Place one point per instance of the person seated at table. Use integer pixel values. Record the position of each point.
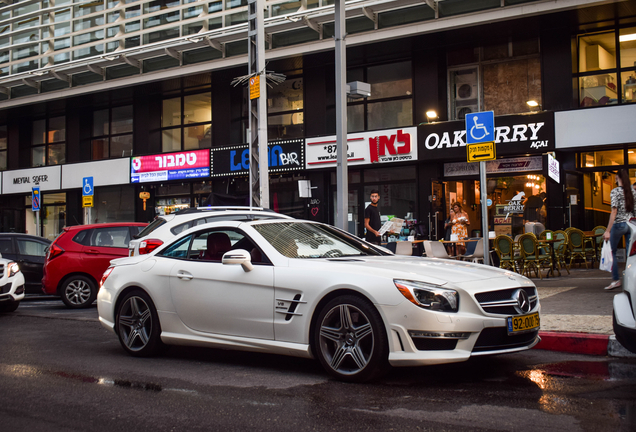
(460, 226)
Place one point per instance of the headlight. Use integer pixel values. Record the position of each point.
(13, 269)
(427, 296)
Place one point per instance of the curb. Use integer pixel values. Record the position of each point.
(576, 343)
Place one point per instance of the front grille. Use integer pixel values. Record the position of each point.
(5, 289)
(497, 338)
(1, 270)
(501, 302)
(430, 344)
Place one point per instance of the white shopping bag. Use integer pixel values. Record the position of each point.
(606, 257)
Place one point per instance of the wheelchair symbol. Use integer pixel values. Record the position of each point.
(478, 127)
(88, 190)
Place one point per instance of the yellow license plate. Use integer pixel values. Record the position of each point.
(523, 323)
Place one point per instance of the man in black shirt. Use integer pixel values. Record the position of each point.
(372, 219)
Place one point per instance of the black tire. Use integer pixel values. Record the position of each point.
(9, 306)
(137, 325)
(78, 292)
(350, 339)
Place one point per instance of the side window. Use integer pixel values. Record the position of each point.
(178, 249)
(111, 237)
(135, 230)
(33, 248)
(5, 246)
(211, 245)
(181, 228)
(82, 237)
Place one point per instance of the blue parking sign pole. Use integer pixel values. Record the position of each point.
(87, 190)
(480, 128)
(35, 206)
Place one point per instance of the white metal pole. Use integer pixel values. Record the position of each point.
(342, 185)
(485, 235)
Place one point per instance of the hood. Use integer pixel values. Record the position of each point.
(432, 270)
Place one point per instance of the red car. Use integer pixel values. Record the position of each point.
(78, 257)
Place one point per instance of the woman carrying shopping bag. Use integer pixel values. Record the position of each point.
(622, 200)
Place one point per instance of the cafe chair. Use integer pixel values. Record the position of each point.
(577, 246)
(507, 253)
(435, 249)
(560, 250)
(474, 251)
(404, 248)
(531, 257)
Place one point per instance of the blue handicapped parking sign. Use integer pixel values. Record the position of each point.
(480, 127)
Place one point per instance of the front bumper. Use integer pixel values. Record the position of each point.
(624, 322)
(12, 289)
(450, 337)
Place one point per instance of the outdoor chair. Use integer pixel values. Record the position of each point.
(531, 257)
(404, 248)
(435, 249)
(474, 251)
(577, 246)
(560, 250)
(509, 257)
(598, 240)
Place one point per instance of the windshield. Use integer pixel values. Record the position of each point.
(151, 227)
(309, 240)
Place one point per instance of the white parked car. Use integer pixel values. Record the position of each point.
(11, 285)
(624, 319)
(164, 228)
(307, 289)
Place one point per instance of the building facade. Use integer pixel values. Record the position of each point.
(138, 95)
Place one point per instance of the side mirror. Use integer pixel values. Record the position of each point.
(238, 256)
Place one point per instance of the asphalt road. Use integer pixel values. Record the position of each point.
(61, 371)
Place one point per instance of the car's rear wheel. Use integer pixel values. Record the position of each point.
(350, 339)
(9, 306)
(78, 292)
(137, 325)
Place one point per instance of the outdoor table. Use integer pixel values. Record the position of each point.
(550, 245)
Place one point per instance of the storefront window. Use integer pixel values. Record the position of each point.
(285, 105)
(631, 156)
(391, 101)
(114, 204)
(48, 141)
(601, 158)
(3, 148)
(187, 122)
(112, 133)
(605, 76)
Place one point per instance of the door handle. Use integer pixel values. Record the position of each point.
(92, 251)
(184, 275)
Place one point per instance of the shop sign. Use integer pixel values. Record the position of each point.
(170, 166)
(510, 165)
(282, 156)
(22, 181)
(388, 146)
(104, 173)
(553, 169)
(515, 134)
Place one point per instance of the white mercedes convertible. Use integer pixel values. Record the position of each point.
(308, 289)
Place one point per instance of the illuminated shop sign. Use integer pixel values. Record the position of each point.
(170, 166)
(282, 156)
(499, 166)
(514, 135)
(394, 145)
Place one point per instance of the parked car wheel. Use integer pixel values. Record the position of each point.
(78, 292)
(9, 306)
(350, 339)
(137, 325)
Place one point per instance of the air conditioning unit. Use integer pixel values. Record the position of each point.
(466, 84)
(461, 111)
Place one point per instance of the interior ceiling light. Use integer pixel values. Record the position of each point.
(627, 37)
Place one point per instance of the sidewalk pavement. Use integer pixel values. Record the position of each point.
(576, 313)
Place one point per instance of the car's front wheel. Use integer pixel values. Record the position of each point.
(78, 292)
(350, 339)
(137, 325)
(9, 306)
